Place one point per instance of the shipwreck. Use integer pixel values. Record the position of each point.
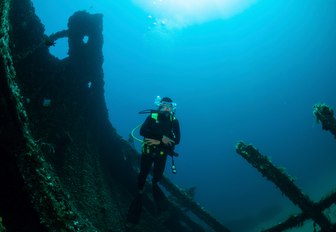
(64, 167)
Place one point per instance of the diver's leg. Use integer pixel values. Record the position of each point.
(159, 166)
(134, 211)
(145, 167)
(158, 195)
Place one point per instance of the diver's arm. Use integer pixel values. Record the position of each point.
(177, 132)
(174, 139)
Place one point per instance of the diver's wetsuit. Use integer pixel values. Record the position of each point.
(156, 128)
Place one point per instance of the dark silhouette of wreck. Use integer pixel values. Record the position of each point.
(63, 167)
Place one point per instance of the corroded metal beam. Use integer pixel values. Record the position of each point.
(197, 209)
(296, 220)
(285, 184)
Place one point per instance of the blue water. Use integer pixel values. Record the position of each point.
(254, 77)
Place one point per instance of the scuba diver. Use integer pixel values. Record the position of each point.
(161, 132)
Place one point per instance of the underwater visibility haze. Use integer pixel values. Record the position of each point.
(239, 71)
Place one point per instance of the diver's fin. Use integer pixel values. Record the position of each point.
(160, 199)
(134, 211)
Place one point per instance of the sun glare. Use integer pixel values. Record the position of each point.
(182, 13)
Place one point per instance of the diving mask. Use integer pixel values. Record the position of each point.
(161, 103)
